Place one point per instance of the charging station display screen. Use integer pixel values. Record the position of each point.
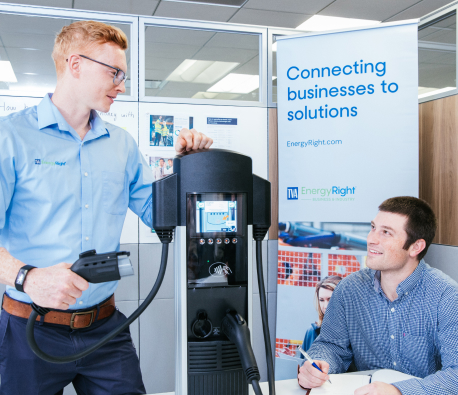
(216, 216)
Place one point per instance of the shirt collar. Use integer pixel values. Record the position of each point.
(49, 115)
(405, 286)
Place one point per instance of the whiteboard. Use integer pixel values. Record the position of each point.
(241, 129)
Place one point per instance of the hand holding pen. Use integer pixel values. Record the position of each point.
(312, 362)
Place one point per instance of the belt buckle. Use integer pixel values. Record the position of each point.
(72, 319)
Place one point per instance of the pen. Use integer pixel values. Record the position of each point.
(310, 360)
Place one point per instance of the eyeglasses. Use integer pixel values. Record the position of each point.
(119, 77)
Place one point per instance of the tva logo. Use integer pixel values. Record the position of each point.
(293, 193)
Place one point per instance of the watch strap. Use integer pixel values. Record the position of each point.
(21, 276)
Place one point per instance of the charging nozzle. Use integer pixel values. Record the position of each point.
(125, 266)
(236, 329)
(99, 268)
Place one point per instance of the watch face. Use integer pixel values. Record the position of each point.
(20, 277)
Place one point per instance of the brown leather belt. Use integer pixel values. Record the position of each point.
(76, 320)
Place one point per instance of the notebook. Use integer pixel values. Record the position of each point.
(346, 384)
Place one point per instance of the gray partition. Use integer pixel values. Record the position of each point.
(150, 260)
(157, 339)
(445, 258)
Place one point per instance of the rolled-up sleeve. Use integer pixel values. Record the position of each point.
(445, 381)
(7, 170)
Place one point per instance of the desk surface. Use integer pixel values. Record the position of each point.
(286, 387)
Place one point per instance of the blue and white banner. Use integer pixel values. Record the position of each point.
(348, 140)
(347, 121)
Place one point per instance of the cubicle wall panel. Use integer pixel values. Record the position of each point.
(272, 265)
(150, 261)
(445, 258)
(157, 339)
(273, 170)
(438, 164)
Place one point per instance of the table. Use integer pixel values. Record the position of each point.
(286, 387)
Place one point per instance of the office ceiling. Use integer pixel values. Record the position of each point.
(27, 42)
(278, 13)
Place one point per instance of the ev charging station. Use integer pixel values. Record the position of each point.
(216, 207)
(220, 201)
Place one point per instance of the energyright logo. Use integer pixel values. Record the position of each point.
(327, 192)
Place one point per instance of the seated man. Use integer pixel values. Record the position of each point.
(398, 313)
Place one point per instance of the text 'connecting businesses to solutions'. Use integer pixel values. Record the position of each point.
(314, 91)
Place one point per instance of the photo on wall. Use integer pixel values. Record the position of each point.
(313, 257)
(161, 131)
(160, 165)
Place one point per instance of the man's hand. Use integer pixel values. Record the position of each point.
(189, 140)
(310, 377)
(378, 388)
(55, 287)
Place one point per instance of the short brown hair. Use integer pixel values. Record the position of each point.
(421, 220)
(82, 35)
(329, 282)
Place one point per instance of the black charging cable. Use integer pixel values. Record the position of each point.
(166, 237)
(259, 233)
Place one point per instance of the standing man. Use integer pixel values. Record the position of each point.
(398, 313)
(169, 169)
(165, 133)
(67, 179)
(158, 130)
(159, 171)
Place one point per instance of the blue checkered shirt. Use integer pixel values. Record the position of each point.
(415, 334)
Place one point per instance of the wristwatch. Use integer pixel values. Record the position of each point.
(22, 274)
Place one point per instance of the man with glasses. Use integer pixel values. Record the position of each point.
(67, 179)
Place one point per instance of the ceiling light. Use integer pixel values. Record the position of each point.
(201, 71)
(205, 95)
(435, 91)
(6, 72)
(318, 23)
(236, 83)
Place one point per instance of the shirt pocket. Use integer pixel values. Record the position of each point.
(114, 193)
(417, 353)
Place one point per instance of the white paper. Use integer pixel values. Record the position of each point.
(390, 376)
(342, 384)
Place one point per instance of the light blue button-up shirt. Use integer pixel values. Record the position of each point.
(60, 195)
